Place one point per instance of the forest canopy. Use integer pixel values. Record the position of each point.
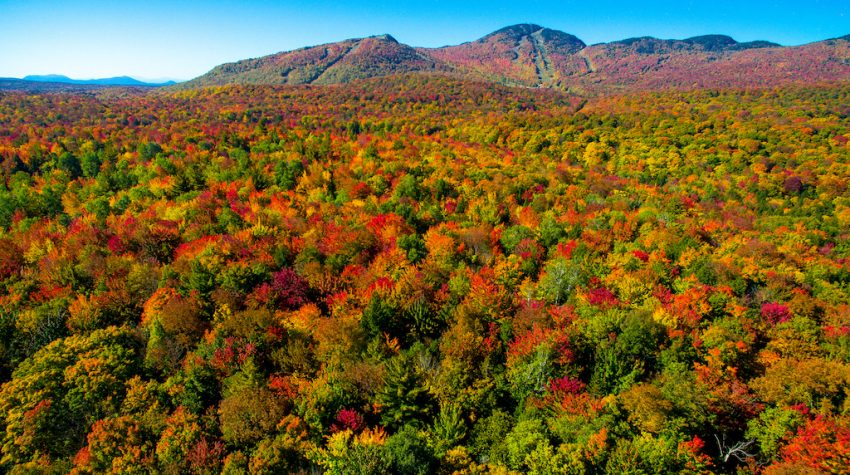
(425, 275)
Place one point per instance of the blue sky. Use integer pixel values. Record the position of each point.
(183, 39)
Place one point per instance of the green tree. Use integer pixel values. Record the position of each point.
(404, 397)
(408, 452)
(56, 395)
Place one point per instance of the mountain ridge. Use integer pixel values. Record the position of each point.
(111, 81)
(531, 55)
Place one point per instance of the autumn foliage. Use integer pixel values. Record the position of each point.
(425, 275)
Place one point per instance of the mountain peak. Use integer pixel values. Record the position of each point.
(705, 43)
(47, 78)
(385, 37)
(712, 42)
(516, 34)
(516, 31)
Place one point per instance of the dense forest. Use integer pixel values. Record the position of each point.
(419, 275)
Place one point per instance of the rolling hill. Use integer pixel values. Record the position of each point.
(533, 56)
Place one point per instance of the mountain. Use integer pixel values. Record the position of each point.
(523, 54)
(705, 43)
(115, 81)
(325, 64)
(711, 61)
(35, 87)
(533, 56)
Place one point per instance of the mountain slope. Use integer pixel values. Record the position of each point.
(524, 54)
(649, 63)
(324, 64)
(532, 56)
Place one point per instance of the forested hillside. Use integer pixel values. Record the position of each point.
(419, 274)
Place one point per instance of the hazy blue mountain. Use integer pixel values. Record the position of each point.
(115, 81)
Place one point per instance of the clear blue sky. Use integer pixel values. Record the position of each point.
(182, 39)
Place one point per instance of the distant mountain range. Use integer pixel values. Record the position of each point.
(57, 83)
(523, 55)
(533, 56)
(116, 81)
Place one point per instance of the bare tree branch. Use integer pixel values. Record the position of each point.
(737, 450)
